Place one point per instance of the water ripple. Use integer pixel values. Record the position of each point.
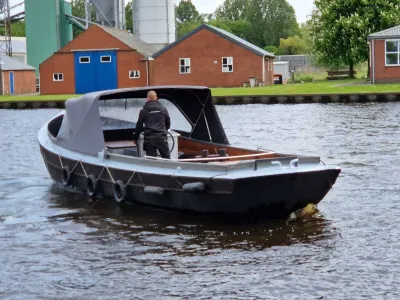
(59, 246)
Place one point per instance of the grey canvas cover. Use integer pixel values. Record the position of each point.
(81, 129)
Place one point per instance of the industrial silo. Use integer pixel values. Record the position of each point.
(154, 21)
(47, 28)
(110, 13)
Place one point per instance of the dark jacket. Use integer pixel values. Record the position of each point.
(156, 121)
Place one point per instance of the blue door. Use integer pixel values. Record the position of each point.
(85, 73)
(11, 82)
(95, 71)
(106, 70)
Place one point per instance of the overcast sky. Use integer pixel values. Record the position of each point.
(303, 7)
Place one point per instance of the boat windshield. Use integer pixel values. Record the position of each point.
(124, 113)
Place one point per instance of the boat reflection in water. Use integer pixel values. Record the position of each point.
(189, 234)
(88, 148)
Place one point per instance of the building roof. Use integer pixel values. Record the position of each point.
(393, 32)
(10, 64)
(224, 34)
(130, 40)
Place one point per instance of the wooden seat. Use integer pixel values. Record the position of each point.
(120, 144)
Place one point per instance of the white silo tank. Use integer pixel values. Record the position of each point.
(154, 21)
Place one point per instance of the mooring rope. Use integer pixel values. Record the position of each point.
(61, 163)
(101, 173)
(77, 163)
(83, 168)
(173, 177)
(109, 173)
(130, 179)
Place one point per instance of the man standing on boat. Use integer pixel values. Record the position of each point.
(155, 118)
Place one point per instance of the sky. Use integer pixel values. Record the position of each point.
(303, 7)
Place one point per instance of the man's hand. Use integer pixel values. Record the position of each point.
(134, 143)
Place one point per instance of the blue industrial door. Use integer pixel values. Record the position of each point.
(95, 71)
(11, 82)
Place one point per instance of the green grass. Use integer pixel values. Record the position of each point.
(355, 86)
(35, 98)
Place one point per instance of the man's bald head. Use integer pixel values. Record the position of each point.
(151, 96)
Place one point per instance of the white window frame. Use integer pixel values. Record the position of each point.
(229, 62)
(186, 64)
(56, 76)
(85, 62)
(105, 62)
(136, 74)
(397, 52)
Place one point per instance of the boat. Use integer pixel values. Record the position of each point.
(88, 148)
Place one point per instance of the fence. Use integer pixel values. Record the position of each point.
(301, 63)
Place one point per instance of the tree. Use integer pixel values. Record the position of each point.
(339, 28)
(306, 37)
(186, 27)
(17, 29)
(78, 10)
(271, 20)
(129, 17)
(186, 12)
(232, 10)
(187, 18)
(272, 50)
(293, 45)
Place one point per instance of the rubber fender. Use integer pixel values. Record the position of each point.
(119, 191)
(91, 186)
(66, 176)
(155, 190)
(194, 187)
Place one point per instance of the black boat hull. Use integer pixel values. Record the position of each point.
(269, 196)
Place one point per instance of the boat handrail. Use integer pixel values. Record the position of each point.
(226, 157)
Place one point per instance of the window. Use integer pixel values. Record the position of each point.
(58, 77)
(184, 65)
(392, 53)
(134, 74)
(105, 59)
(121, 113)
(84, 60)
(227, 64)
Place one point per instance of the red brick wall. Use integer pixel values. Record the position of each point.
(382, 73)
(203, 48)
(94, 38)
(128, 61)
(58, 63)
(24, 82)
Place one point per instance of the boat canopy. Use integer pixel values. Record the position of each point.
(81, 129)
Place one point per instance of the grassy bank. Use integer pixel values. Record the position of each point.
(35, 98)
(319, 87)
(357, 86)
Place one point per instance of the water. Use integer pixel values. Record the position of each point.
(56, 246)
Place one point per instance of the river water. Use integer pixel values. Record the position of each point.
(59, 246)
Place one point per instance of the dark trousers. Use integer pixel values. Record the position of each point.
(151, 147)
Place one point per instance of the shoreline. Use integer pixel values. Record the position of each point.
(240, 100)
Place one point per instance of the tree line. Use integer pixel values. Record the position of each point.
(336, 32)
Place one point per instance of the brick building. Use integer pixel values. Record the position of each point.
(385, 55)
(100, 58)
(212, 57)
(16, 77)
(105, 58)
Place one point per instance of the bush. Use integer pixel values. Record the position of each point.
(302, 78)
